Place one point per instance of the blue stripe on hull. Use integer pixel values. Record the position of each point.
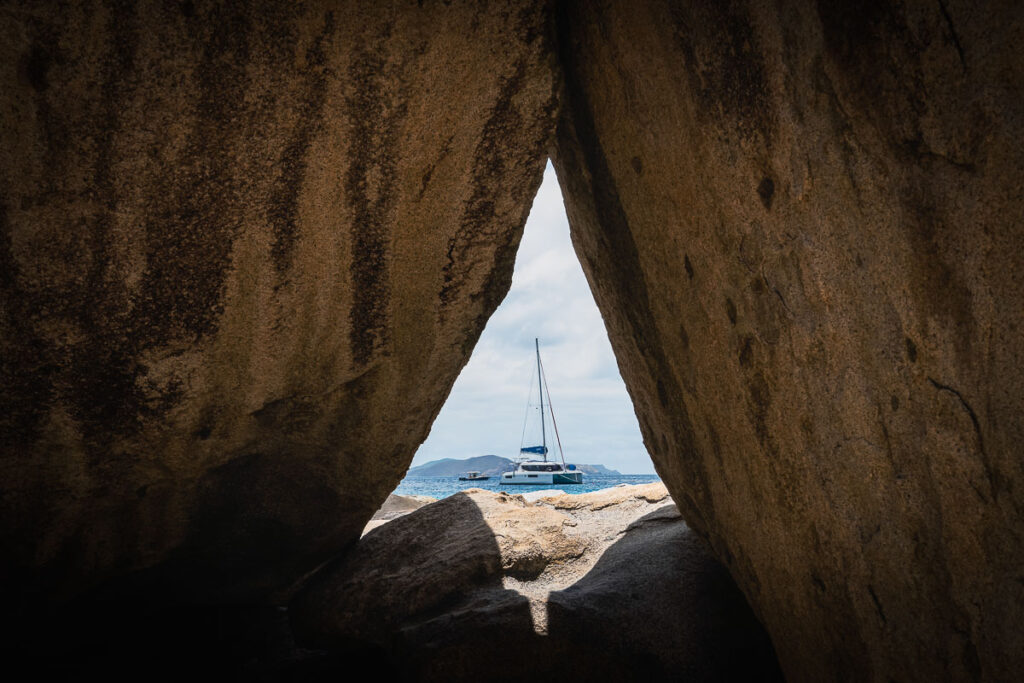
(544, 479)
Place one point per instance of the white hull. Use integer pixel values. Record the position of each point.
(530, 478)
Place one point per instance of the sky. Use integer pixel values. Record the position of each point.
(549, 299)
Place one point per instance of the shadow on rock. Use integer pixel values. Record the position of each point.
(485, 586)
(426, 589)
(659, 605)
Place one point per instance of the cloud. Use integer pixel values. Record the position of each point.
(549, 299)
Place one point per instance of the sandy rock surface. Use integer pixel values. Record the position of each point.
(802, 224)
(609, 585)
(245, 249)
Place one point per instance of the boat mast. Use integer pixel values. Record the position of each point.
(540, 390)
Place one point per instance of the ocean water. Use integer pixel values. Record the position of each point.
(442, 487)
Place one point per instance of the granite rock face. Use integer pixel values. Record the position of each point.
(245, 249)
(609, 585)
(802, 224)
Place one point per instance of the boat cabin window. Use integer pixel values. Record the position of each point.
(542, 468)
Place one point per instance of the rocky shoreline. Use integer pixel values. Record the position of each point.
(607, 584)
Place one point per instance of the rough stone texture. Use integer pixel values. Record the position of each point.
(802, 223)
(245, 249)
(394, 507)
(609, 585)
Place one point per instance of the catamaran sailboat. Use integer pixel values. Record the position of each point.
(543, 471)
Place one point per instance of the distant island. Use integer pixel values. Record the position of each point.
(490, 465)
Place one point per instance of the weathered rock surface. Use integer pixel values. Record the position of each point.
(394, 507)
(245, 249)
(802, 224)
(609, 585)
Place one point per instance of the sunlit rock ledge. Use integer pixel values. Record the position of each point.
(400, 505)
(606, 584)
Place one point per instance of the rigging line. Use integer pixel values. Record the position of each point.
(526, 417)
(543, 436)
(558, 439)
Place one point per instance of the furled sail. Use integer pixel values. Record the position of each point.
(539, 450)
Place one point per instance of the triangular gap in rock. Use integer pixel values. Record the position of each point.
(549, 299)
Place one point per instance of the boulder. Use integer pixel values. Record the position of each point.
(802, 224)
(245, 249)
(394, 507)
(610, 585)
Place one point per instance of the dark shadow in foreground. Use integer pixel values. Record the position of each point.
(423, 598)
(425, 593)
